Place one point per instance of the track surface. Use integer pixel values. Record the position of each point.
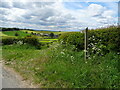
(12, 79)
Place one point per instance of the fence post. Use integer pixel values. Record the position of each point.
(86, 42)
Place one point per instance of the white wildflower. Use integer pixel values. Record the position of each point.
(62, 53)
(72, 57)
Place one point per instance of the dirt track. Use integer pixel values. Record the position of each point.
(11, 79)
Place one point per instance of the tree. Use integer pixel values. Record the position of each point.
(16, 34)
(51, 35)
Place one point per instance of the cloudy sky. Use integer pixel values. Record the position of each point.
(67, 15)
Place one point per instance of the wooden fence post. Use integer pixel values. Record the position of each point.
(86, 43)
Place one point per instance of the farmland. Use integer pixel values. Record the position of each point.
(24, 33)
(58, 62)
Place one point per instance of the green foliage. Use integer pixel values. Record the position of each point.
(27, 40)
(109, 37)
(73, 38)
(32, 41)
(10, 29)
(106, 39)
(51, 35)
(8, 41)
(16, 34)
(67, 69)
(58, 67)
(61, 66)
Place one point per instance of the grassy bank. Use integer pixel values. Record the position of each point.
(62, 67)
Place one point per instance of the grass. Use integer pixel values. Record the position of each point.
(48, 40)
(1, 34)
(45, 41)
(12, 33)
(58, 67)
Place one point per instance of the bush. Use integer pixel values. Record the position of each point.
(32, 41)
(73, 38)
(16, 34)
(107, 37)
(27, 40)
(8, 41)
(51, 35)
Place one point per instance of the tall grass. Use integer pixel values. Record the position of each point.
(62, 67)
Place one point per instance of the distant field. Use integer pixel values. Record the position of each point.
(22, 33)
(48, 32)
(1, 34)
(12, 33)
(5, 36)
(48, 40)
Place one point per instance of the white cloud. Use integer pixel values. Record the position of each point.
(95, 9)
(53, 15)
(108, 14)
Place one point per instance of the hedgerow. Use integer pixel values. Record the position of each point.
(73, 38)
(105, 39)
(27, 40)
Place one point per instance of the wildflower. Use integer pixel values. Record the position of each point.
(63, 49)
(61, 42)
(93, 56)
(93, 48)
(91, 43)
(62, 53)
(99, 49)
(97, 52)
(72, 57)
(89, 38)
(93, 39)
(20, 42)
(85, 51)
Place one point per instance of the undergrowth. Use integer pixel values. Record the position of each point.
(60, 67)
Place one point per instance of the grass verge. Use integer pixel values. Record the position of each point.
(58, 67)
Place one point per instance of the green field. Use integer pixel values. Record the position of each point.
(48, 32)
(22, 34)
(2, 35)
(12, 33)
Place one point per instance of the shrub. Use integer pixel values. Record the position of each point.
(51, 35)
(32, 41)
(27, 40)
(107, 37)
(8, 41)
(73, 38)
(16, 34)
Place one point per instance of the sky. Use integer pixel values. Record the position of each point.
(58, 15)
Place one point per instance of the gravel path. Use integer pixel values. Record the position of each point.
(11, 79)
